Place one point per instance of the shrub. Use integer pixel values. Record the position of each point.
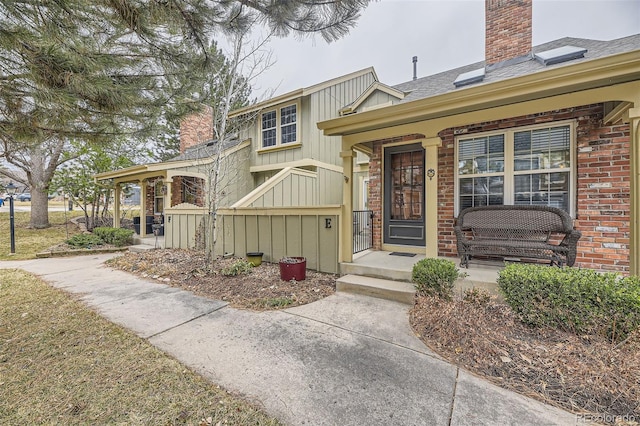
(435, 277)
(240, 267)
(117, 236)
(581, 301)
(85, 240)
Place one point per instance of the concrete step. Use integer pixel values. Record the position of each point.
(384, 289)
(139, 248)
(376, 271)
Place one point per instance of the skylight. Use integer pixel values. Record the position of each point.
(561, 54)
(469, 77)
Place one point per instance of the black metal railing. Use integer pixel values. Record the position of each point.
(362, 230)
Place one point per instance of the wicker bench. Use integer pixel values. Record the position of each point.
(518, 232)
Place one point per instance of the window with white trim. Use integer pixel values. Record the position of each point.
(280, 126)
(530, 166)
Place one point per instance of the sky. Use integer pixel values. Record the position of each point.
(443, 34)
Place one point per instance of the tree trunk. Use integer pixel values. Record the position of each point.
(39, 209)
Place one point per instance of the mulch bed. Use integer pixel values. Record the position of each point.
(577, 373)
(261, 289)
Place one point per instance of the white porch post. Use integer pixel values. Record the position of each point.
(116, 205)
(634, 225)
(431, 146)
(345, 253)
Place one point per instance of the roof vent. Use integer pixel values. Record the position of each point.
(469, 77)
(561, 54)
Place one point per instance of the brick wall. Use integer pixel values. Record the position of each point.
(177, 188)
(149, 200)
(196, 128)
(603, 177)
(603, 196)
(176, 191)
(507, 30)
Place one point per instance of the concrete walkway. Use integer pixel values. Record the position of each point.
(345, 360)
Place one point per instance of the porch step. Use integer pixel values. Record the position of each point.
(399, 273)
(139, 248)
(384, 289)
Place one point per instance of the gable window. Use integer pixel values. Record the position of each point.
(280, 126)
(527, 166)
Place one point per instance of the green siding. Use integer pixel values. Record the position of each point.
(280, 235)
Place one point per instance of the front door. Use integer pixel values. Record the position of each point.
(404, 195)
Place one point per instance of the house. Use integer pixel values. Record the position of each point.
(556, 124)
(280, 170)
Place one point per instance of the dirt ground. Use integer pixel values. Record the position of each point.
(584, 374)
(261, 289)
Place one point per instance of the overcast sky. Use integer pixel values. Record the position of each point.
(444, 34)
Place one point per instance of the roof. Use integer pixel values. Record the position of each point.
(204, 150)
(287, 97)
(440, 83)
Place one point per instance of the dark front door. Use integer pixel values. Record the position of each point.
(404, 195)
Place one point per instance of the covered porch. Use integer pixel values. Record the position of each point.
(611, 230)
(163, 187)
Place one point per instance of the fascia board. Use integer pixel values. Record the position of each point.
(370, 90)
(120, 173)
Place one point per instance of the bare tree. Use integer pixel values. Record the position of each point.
(246, 59)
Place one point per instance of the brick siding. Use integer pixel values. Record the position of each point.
(603, 185)
(508, 29)
(196, 128)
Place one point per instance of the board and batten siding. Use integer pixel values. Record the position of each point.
(376, 99)
(282, 232)
(293, 190)
(318, 106)
(182, 228)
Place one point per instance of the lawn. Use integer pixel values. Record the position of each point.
(31, 241)
(61, 363)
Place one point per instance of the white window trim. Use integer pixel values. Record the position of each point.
(279, 145)
(508, 159)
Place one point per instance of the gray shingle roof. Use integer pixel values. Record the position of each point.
(440, 83)
(205, 150)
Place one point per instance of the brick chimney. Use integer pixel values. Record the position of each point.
(196, 128)
(508, 30)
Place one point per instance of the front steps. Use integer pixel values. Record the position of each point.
(398, 291)
(378, 271)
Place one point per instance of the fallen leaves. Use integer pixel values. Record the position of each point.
(580, 373)
(261, 289)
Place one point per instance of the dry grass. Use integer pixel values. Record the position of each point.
(60, 363)
(577, 373)
(31, 241)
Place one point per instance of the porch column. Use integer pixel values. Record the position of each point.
(431, 146)
(116, 205)
(634, 225)
(169, 182)
(143, 208)
(345, 253)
